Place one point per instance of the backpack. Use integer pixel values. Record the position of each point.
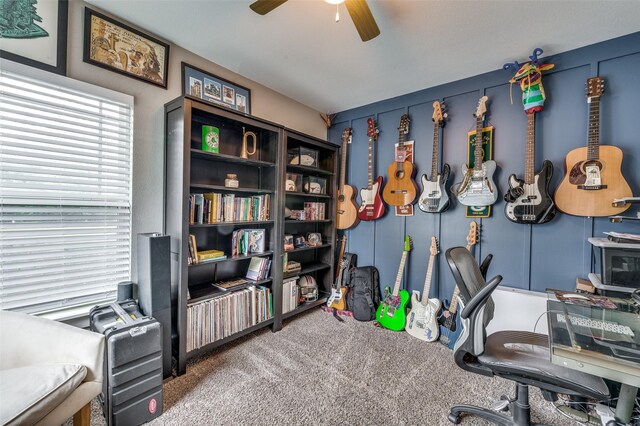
(364, 292)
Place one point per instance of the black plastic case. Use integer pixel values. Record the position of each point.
(132, 389)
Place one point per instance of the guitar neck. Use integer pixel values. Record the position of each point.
(427, 280)
(530, 156)
(396, 286)
(401, 151)
(478, 153)
(436, 151)
(343, 164)
(370, 178)
(593, 145)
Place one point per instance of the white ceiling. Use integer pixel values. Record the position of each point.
(299, 50)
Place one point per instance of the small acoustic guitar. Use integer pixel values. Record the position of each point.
(593, 178)
(347, 209)
(401, 188)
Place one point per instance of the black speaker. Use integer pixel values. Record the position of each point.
(154, 287)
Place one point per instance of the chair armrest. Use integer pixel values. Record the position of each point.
(28, 340)
(481, 297)
(484, 266)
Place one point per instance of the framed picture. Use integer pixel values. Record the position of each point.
(36, 35)
(122, 49)
(211, 88)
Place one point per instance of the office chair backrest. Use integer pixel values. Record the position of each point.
(469, 280)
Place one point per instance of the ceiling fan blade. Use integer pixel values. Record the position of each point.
(362, 19)
(262, 7)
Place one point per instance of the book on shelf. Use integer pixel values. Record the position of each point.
(314, 211)
(222, 316)
(258, 268)
(247, 241)
(213, 207)
(230, 285)
(195, 257)
(290, 292)
(193, 250)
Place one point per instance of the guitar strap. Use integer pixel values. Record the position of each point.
(334, 311)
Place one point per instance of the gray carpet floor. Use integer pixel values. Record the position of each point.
(318, 371)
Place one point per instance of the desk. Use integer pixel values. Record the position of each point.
(602, 338)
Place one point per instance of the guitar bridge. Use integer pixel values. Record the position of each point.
(592, 187)
(529, 217)
(399, 191)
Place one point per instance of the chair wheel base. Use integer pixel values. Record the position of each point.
(454, 418)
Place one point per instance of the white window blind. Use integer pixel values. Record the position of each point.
(65, 192)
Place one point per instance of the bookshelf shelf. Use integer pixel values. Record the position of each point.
(306, 306)
(198, 153)
(232, 259)
(242, 223)
(205, 187)
(307, 195)
(309, 248)
(308, 268)
(202, 292)
(308, 221)
(191, 173)
(308, 170)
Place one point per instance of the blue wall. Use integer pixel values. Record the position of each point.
(530, 257)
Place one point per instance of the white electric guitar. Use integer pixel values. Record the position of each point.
(422, 320)
(477, 187)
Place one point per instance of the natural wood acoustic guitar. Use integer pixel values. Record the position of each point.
(401, 188)
(593, 178)
(347, 209)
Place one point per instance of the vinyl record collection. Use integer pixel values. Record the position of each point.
(217, 318)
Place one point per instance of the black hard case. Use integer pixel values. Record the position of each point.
(132, 389)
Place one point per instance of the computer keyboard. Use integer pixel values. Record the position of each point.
(610, 326)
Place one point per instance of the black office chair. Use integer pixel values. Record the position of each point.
(520, 356)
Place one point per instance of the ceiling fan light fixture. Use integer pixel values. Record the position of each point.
(334, 1)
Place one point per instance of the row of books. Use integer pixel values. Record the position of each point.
(314, 211)
(223, 316)
(258, 268)
(195, 257)
(214, 207)
(290, 292)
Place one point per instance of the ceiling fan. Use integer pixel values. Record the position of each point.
(358, 9)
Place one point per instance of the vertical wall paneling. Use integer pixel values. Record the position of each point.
(529, 257)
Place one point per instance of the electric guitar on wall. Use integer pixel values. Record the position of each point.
(338, 298)
(422, 322)
(371, 207)
(391, 312)
(401, 189)
(528, 200)
(434, 197)
(347, 209)
(592, 177)
(477, 187)
(449, 320)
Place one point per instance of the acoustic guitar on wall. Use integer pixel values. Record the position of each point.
(401, 188)
(371, 207)
(347, 209)
(593, 178)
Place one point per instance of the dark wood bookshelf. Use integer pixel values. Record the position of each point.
(309, 248)
(191, 170)
(306, 306)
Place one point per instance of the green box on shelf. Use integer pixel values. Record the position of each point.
(211, 139)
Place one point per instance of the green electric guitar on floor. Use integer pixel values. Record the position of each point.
(392, 312)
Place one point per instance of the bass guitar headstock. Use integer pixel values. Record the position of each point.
(481, 110)
(372, 130)
(408, 243)
(439, 114)
(434, 250)
(595, 87)
(473, 237)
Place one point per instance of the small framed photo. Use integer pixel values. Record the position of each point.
(314, 185)
(288, 242)
(293, 183)
(215, 90)
(314, 239)
(299, 241)
(119, 48)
